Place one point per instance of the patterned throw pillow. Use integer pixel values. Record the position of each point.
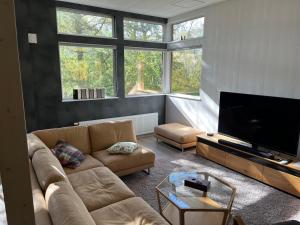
(68, 155)
(123, 148)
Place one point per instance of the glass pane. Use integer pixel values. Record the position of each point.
(83, 23)
(189, 29)
(142, 31)
(186, 71)
(86, 67)
(143, 72)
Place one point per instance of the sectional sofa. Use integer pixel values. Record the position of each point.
(91, 194)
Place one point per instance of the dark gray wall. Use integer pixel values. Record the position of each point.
(41, 76)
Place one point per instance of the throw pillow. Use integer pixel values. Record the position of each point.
(123, 148)
(67, 154)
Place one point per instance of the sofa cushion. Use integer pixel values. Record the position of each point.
(41, 213)
(139, 157)
(77, 136)
(65, 207)
(34, 144)
(104, 135)
(88, 163)
(47, 168)
(99, 187)
(177, 132)
(68, 155)
(132, 211)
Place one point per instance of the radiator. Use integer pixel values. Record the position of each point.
(143, 123)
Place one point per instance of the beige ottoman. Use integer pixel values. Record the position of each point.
(178, 135)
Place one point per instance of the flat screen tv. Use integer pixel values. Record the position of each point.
(269, 122)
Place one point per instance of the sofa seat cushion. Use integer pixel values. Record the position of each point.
(47, 168)
(119, 162)
(89, 163)
(65, 207)
(99, 187)
(104, 135)
(132, 211)
(177, 132)
(78, 136)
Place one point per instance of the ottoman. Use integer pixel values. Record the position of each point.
(177, 135)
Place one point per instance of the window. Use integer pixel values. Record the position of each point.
(83, 23)
(189, 29)
(143, 71)
(142, 31)
(186, 71)
(86, 67)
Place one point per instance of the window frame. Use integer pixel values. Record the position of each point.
(71, 44)
(163, 52)
(90, 13)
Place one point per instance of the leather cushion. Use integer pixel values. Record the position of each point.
(177, 132)
(34, 144)
(104, 135)
(99, 187)
(119, 162)
(88, 163)
(47, 168)
(78, 136)
(132, 211)
(65, 207)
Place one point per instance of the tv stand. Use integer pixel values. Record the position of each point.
(246, 148)
(280, 171)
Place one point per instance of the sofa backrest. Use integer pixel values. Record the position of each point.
(65, 206)
(104, 135)
(41, 213)
(47, 168)
(78, 136)
(34, 144)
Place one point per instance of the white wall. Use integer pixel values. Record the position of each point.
(250, 46)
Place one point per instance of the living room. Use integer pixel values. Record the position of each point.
(150, 112)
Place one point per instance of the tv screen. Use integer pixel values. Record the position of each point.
(269, 122)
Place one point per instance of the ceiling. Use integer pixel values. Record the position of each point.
(160, 8)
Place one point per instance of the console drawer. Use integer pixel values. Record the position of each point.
(211, 153)
(282, 181)
(244, 166)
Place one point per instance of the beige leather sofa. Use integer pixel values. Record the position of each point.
(91, 194)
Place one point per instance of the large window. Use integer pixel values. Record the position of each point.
(143, 71)
(142, 31)
(86, 67)
(83, 23)
(186, 71)
(188, 29)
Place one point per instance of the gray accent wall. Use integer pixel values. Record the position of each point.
(249, 47)
(41, 75)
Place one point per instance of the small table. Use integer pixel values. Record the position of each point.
(181, 205)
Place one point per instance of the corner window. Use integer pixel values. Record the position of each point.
(84, 66)
(186, 71)
(83, 23)
(188, 29)
(143, 71)
(142, 31)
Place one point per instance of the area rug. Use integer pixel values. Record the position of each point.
(257, 203)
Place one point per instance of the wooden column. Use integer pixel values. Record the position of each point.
(13, 154)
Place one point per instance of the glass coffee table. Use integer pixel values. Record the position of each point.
(182, 205)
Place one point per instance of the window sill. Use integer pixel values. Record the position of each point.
(183, 96)
(145, 95)
(85, 100)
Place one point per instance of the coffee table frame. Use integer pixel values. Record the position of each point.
(182, 212)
